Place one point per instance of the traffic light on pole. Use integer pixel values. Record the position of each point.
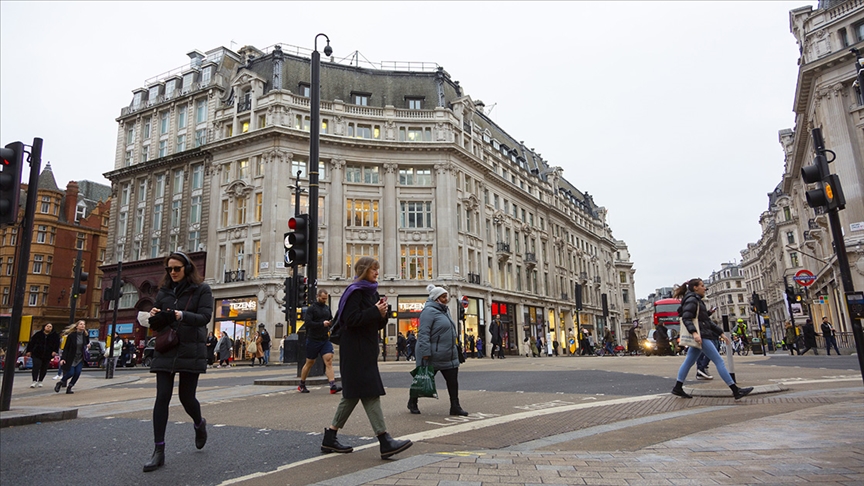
(303, 292)
(80, 286)
(10, 182)
(829, 194)
(297, 242)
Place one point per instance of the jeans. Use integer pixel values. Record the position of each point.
(74, 372)
(267, 356)
(829, 341)
(694, 353)
(702, 362)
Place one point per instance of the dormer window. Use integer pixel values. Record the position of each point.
(137, 100)
(305, 90)
(206, 75)
(414, 103)
(361, 99)
(80, 211)
(170, 86)
(153, 95)
(188, 79)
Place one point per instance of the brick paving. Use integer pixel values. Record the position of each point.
(822, 443)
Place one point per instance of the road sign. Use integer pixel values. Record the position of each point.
(804, 278)
(465, 302)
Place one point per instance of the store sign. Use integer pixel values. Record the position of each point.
(244, 306)
(411, 306)
(121, 328)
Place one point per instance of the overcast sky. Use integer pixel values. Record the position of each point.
(667, 113)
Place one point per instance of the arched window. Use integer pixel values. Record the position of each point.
(130, 296)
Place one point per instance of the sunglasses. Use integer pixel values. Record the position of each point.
(173, 269)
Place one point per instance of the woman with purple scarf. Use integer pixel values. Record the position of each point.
(362, 314)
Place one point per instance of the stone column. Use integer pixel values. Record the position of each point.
(389, 218)
(336, 224)
(445, 195)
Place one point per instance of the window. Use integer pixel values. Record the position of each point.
(301, 122)
(169, 89)
(200, 111)
(181, 118)
(194, 240)
(175, 214)
(155, 243)
(414, 103)
(415, 177)
(415, 214)
(240, 206)
(130, 135)
(197, 176)
(163, 123)
(139, 221)
(41, 232)
(859, 31)
(174, 243)
(361, 98)
(787, 213)
(794, 258)
(163, 148)
(355, 252)
(160, 186)
(37, 264)
(259, 207)
(145, 153)
(244, 127)
(178, 181)
(243, 169)
(124, 195)
(136, 250)
(5, 296)
(9, 263)
(358, 130)
(200, 137)
(262, 122)
(415, 134)
(34, 296)
(240, 256)
(127, 160)
(625, 296)
(195, 211)
(142, 190)
(790, 237)
(147, 130)
(224, 219)
(256, 252)
(46, 205)
(305, 90)
(205, 76)
(361, 212)
(157, 217)
(416, 262)
(48, 264)
(259, 166)
(130, 296)
(361, 174)
(622, 276)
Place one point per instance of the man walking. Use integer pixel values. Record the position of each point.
(809, 338)
(829, 334)
(496, 332)
(401, 342)
(317, 324)
(265, 342)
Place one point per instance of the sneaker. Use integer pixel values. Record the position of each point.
(703, 375)
(335, 389)
(56, 377)
(39, 384)
(33, 385)
(302, 389)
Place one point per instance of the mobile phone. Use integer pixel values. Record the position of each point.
(383, 298)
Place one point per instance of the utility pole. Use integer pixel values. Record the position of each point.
(116, 293)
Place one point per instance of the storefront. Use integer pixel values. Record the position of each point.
(474, 324)
(408, 313)
(238, 318)
(507, 314)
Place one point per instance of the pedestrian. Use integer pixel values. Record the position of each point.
(362, 314)
(632, 341)
(829, 334)
(609, 342)
(472, 345)
(211, 348)
(809, 338)
(410, 345)
(532, 344)
(703, 361)
(555, 346)
(116, 351)
(698, 322)
(438, 346)
(73, 357)
(224, 347)
(591, 342)
(661, 337)
(400, 346)
(184, 303)
(253, 349)
(791, 338)
(266, 343)
(317, 325)
(496, 332)
(42, 348)
(479, 345)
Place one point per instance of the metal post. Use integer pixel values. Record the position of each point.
(73, 299)
(109, 363)
(21, 276)
(314, 139)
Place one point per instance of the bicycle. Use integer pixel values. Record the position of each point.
(740, 348)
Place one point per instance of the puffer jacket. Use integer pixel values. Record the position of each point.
(190, 354)
(437, 337)
(693, 304)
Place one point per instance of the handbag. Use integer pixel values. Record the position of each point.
(166, 340)
(423, 384)
(335, 330)
(461, 354)
(684, 337)
(252, 348)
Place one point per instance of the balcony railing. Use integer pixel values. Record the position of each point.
(530, 258)
(597, 279)
(811, 224)
(565, 297)
(503, 247)
(235, 276)
(474, 278)
(583, 276)
(244, 106)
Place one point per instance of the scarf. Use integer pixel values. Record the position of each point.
(363, 285)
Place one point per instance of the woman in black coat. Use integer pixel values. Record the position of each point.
(362, 314)
(184, 303)
(809, 337)
(43, 346)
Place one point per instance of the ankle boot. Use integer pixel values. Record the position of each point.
(740, 392)
(331, 444)
(412, 406)
(456, 409)
(678, 390)
(390, 446)
(201, 434)
(158, 459)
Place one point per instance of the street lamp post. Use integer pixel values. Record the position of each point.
(312, 170)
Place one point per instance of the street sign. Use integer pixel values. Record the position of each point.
(465, 302)
(804, 278)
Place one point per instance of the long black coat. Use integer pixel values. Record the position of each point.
(70, 349)
(496, 332)
(41, 345)
(809, 335)
(358, 351)
(190, 354)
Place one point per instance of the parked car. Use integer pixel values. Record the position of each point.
(147, 358)
(24, 363)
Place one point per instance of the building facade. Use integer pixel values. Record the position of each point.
(796, 237)
(64, 222)
(412, 173)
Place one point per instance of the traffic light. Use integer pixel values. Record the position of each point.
(303, 292)
(10, 182)
(79, 287)
(829, 194)
(297, 241)
(290, 296)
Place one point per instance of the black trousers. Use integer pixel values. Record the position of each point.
(164, 389)
(40, 368)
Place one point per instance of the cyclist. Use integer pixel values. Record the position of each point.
(741, 332)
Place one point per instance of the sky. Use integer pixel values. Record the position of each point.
(667, 113)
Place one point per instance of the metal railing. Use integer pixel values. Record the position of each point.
(530, 258)
(473, 278)
(503, 247)
(235, 276)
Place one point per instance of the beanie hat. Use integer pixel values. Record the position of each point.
(435, 292)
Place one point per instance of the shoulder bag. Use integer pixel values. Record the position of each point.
(684, 337)
(335, 330)
(167, 338)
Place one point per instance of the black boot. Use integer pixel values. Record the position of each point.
(390, 446)
(412, 406)
(158, 459)
(740, 392)
(201, 434)
(678, 390)
(331, 444)
(456, 409)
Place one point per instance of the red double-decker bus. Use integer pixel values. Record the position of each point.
(666, 313)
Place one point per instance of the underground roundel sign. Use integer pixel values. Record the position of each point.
(465, 302)
(804, 278)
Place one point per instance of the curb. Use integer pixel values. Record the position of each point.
(32, 415)
(313, 380)
(725, 392)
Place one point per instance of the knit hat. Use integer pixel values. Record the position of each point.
(435, 292)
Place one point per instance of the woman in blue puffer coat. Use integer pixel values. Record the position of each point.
(438, 345)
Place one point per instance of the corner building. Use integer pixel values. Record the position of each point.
(412, 173)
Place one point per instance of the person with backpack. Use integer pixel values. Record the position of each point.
(697, 320)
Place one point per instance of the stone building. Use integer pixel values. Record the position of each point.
(794, 236)
(727, 291)
(64, 222)
(412, 172)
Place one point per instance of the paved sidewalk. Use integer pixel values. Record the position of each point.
(823, 444)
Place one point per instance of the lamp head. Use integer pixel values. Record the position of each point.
(327, 49)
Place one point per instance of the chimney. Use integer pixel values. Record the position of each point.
(71, 200)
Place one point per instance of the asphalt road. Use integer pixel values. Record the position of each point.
(256, 429)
